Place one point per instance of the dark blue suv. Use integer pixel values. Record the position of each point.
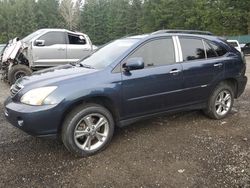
(127, 80)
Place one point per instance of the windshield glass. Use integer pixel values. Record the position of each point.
(108, 54)
(234, 44)
(1, 48)
(32, 35)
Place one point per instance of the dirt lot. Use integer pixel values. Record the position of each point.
(182, 150)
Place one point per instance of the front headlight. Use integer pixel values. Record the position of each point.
(37, 96)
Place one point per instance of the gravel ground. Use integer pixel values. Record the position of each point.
(181, 150)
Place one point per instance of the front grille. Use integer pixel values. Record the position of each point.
(15, 89)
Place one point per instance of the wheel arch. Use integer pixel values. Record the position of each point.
(101, 100)
(230, 81)
(234, 84)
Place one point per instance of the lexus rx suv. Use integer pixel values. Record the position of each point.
(127, 80)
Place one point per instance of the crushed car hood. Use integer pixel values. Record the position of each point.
(12, 49)
(56, 74)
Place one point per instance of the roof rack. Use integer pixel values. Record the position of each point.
(197, 32)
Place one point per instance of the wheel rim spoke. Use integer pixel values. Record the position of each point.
(88, 121)
(87, 143)
(227, 97)
(217, 103)
(100, 136)
(101, 122)
(219, 109)
(79, 134)
(220, 96)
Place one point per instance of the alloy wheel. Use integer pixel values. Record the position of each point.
(223, 102)
(91, 132)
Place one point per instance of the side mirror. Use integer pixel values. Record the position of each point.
(40, 42)
(134, 64)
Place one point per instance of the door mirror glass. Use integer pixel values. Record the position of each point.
(40, 42)
(134, 64)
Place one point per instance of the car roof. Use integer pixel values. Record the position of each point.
(154, 35)
(232, 41)
(62, 30)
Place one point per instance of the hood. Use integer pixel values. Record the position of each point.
(53, 75)
(12, 49)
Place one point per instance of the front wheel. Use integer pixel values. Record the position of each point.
(87, 130)
(220, 102)
(18, 71)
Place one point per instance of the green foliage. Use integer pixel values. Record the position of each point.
(105, 20)
(18, 18)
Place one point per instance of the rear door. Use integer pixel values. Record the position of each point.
(53, 52)
(156, 87)
(202, 66)
(78, 47)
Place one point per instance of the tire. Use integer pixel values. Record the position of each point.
(18, 71)
(217, 99)
(76, 131)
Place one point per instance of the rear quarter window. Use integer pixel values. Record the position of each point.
(209, 51)
(218, 49)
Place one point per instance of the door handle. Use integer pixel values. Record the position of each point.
(217, 64)
(175, 71)
(61, 49)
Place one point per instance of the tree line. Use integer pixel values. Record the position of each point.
(105, 20)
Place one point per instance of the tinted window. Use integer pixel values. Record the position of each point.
(157, 52)
(233, 44)
(219, 50)
(210, 51)
(192, 49)
(76, 39)
(52, 38)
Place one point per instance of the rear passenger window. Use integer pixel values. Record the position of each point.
(157, 52)
(192, 49)
(77, 40)
(219, 50)
(210, 51)
(53, 37)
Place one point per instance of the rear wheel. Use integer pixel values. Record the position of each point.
(221, 101)
(18, 71)
(88, 129)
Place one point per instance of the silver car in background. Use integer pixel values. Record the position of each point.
(42, 49)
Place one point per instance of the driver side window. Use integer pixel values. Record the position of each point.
(52, 38)
(157, 52)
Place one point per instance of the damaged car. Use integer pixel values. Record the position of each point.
(42, 49)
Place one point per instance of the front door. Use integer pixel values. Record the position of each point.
(53, 52)
(156, 87)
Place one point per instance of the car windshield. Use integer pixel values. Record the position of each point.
(234, 44)
(1, 48)
(32, 35)
(108, 54)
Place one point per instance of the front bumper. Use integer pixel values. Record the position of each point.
(39, 121)
(242, 81)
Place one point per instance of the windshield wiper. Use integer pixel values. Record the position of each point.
(73, 63)
(81, 65)
(86, 66)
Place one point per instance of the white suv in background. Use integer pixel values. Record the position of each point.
(235, 44)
